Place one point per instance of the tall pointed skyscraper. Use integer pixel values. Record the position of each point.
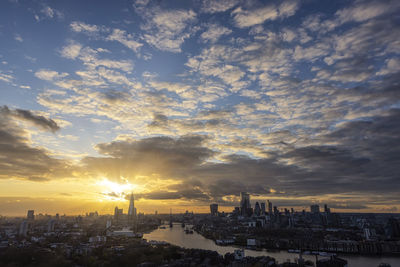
(131, 210)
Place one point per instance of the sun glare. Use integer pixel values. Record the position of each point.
(115, 191)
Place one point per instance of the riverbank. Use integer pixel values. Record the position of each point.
(295, 239)
(177, 236)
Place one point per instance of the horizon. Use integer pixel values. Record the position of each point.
(188, 103)
(204, 210)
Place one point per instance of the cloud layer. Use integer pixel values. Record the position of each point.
(193, 102)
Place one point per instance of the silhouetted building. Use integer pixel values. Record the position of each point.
(392, 228)
(269, 204)
(118, 213)
(314, 208)
(276, 211)
(236, 211)
(245, 205)
(23, 228)
(51, 225)
(214, 209)
(326, 209)
(132, 209)
(31, 215)
(257, 209)
(263, 208)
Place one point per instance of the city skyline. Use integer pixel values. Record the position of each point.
(189, 103)
(245, 205)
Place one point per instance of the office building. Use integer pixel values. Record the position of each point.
(23, 228)
(269, 204)
(314, 208)
(51, 225)
(326, 209)
(118, 213)
(257, 209)
(263, 208)
(245, 205)
(31, 215)
(214, 209)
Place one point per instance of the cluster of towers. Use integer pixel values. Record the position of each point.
(119, 214)
(246, 210)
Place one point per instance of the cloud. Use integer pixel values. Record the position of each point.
(163, 155)
(246, 18)
(18, 38)
(37, 120)
(50, 13)
(18, 159)
(392, 66)
(214, 32)
(168, 29)
(125, 39)
(117, 35)
(49, 75)
(78, 26)
(287, 111)
(71, 50)
(8, 78)
(363, 11)
(357, 157)
(288, 8)
(215, 6)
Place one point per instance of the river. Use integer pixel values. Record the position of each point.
(178, 237)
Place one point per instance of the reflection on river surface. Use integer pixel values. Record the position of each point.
(178, 237)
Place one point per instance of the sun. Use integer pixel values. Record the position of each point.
(115, 191)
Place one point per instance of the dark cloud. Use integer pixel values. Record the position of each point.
(37, 120)
(357, 157)
(115, 97)
(193, 194)
(163, 155)
(159, 120)
(18, 159)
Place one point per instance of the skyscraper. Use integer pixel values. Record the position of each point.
(314, 208)
(245, 205)
(257, 209)
(23, 228)
(263, 208)
(118, 213)
(269, 208)
(131, 210)
(326, 209)
(214, 209)
(31, 215)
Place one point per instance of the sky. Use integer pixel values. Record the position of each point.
(188, 103)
